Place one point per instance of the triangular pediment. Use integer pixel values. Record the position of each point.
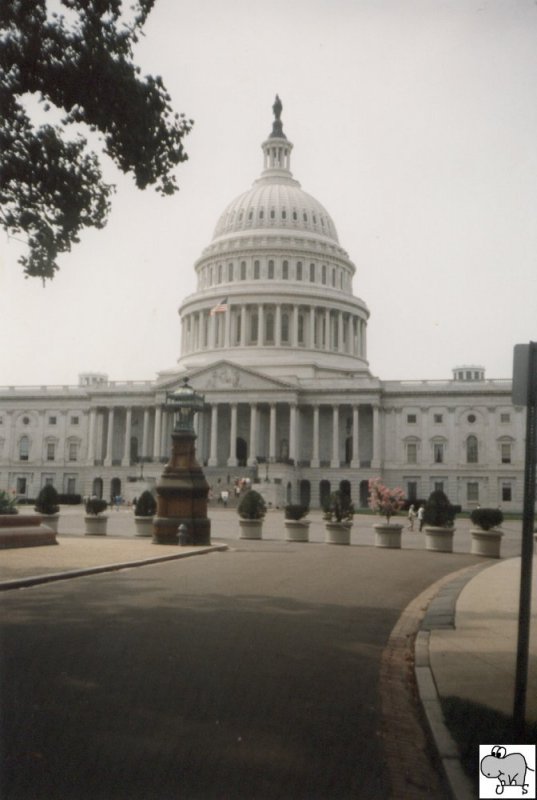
(227, 376)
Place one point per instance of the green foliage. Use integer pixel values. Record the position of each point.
(487, 518)
(8, 503)
(47, 500)
(95, 505)
(146, 505)
(51, 185)
(252, 506)
(339, 507)
(295, 512)
(438, 511)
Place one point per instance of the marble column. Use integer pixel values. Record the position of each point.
(253, 435)
(243, 325)
(109, 439)
(156, 434)
(127, 444)
(213, 451)
(91, 435)
(335, 437)
(355, 463)
(232, 458)
(261, 324)
(375, 461)
(315, 448)
(293, 429)
(312, 327)
(326, 329)
(145, 433)
(272, 432)
(278, 326)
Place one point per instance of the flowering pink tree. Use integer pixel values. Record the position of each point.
(386, 502)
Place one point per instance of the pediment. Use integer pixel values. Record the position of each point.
(226, 376)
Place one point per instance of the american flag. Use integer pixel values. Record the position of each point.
(219, 308)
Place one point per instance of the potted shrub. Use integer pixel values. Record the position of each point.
(338, 514)
(21, 530)
(487, 535)
(386, 502)
(47, 504)
(296, 527)
(251, 510)
(144, 510)
(438, 520)
(96, 521)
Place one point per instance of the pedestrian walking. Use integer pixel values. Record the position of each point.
(411, 517)
(421, 512)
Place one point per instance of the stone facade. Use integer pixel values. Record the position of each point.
(277, 342)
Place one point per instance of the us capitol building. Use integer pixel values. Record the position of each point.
(277, 342)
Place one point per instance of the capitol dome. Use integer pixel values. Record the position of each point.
(274, 288)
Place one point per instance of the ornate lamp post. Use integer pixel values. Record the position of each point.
(182, 491)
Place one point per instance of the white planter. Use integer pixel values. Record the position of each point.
(297, 530)
(388, 535)
(439, 539)
(95, 525)
(51, 521)
(251, 528)
(486, 543)
(338, 532)
(144, 526)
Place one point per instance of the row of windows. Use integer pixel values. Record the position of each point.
(327, 276)
(472, 452)
(472, 490)
(439, 418)
(51, 450)
(243, 215)
(52, 420)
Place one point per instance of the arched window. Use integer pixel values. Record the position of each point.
(270, 270)
(324, 493)
(285, 328)
(312, 273)
(299, 270)
(257, 270)
(285, 270)
(219, 278)
(323, 274)
(24, 448)
(472, 453)
(243, 270)
(230, 272)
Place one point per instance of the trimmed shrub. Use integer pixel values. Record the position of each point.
(487, 518)
(8, 503)
(69, 499)
(146, 505)
(47, 500)
(95, 505)
(295, 512)
(438, 511)
(252, 506)
(339, 507)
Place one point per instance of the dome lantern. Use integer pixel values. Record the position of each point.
(277, 148)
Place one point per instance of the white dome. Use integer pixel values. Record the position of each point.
(276, 203)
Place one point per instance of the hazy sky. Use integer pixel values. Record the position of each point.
(413, 122)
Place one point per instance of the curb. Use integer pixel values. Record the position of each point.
(441, 614)
(21, 583)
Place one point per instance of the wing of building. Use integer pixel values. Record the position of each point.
(277, 342)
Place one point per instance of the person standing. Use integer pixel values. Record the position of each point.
(411, 517)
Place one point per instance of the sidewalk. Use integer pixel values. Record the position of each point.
(466, 649)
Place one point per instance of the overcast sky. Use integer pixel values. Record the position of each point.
(413, 122)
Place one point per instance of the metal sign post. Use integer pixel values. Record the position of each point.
(525, 393)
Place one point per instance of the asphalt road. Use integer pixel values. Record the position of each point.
(241, 675)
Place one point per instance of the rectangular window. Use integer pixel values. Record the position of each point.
(412, 453)
(505, 417)
(71, 485)
(506, 453)
(472, 492)
(507, 493)
(74, 420)
(439, 486)
(52, 420)
(412, 490)
(51, 449)
(21, 486)
(73, 451)
(438, 452)
(438, 418)
(411, 419)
